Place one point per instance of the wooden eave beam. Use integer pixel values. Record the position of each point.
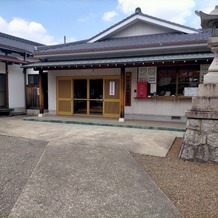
(100, 66)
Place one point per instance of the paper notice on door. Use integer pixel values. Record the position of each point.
(112, 88)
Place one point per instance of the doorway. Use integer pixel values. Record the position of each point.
(88, 96)
(2, 90)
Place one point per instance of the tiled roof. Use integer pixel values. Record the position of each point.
(146, 41)
(13, 43)
(146, 16)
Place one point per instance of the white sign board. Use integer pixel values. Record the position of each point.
(191, 91)
(112, 88)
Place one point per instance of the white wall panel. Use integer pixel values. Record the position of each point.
(16, 87)
(141, 28)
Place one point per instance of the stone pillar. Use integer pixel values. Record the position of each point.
(212, 75)
(200, 141)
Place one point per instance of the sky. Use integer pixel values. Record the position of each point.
(48, 21)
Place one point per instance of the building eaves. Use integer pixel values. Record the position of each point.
(118, 61)
(9, 59)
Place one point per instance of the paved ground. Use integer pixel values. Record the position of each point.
(83, 171)
(18, 158)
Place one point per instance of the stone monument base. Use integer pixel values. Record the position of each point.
(200, 141)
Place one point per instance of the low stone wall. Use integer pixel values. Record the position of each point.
(200, 142)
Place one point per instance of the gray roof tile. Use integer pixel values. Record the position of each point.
(150, 41)
(13, 43)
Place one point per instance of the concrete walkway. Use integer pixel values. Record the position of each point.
(83, 171)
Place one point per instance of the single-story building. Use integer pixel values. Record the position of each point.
(140, 68)
(14, 80)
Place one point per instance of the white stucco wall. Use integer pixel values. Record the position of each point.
(16, 88)
(52, 81)
(140, 28)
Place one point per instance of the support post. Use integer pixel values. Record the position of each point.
(25, 91)
(6, 87)
(122, 94)
(41, 94)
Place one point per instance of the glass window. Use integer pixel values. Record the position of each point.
(33, 79)
(2, 90)
(96, 88)
(96, 96)
(187, 77)
(166, 81)
(80, 88)
(173, 80)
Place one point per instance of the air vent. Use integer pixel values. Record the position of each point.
(175, 118)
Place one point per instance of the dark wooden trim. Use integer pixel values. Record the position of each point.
(25, 90)
(122, 87)
(125, 65)
(6, 87)
(41, 93)
(128, 81)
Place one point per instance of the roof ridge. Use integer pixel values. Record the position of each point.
(161, 19)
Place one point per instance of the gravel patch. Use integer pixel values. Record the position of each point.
(191, 186)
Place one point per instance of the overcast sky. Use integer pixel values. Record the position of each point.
(48, 21)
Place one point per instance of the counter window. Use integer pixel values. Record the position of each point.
(173, 80)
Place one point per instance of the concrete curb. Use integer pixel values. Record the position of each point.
(104, 124)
